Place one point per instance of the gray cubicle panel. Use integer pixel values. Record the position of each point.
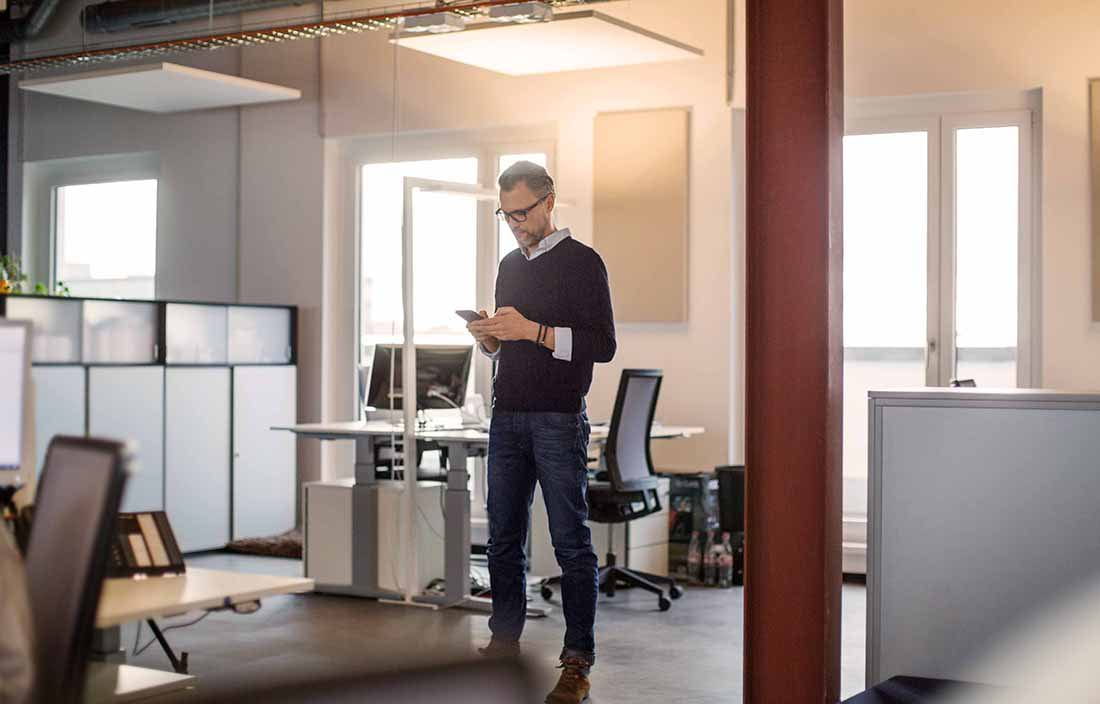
(983, 507)
(264, 460)
(197, 455)
(127, 403)
(58, 405)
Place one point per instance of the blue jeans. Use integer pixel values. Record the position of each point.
(552, 449)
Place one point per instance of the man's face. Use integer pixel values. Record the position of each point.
(529, 232)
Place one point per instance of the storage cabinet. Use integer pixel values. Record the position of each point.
(58, 406)
(120, 332)
(196, 333)
(264, 464)
(197, 456)
(195, 387)
(127, 403)
(260, 335)
(57, 326)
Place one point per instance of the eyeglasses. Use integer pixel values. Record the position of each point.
(521, 214)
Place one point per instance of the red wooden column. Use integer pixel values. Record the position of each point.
(794, 367)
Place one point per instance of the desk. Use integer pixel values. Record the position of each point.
(126, 600)
(460, 444)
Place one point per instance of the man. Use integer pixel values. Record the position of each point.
(553, 322)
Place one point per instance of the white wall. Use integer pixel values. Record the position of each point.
(907, 47)
(281, 198)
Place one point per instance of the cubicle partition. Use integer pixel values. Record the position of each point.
(194, 386)
(983, 509)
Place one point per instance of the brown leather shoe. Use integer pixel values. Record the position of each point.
(500, 649)
(573, 686)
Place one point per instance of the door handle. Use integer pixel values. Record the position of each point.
(929, 353)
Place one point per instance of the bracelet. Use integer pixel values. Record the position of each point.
(538, 337)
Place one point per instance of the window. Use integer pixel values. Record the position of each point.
(444, 245)
(106, 238)
(937, 263)
(506, 242)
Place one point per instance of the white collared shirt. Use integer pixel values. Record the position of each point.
(563, 337)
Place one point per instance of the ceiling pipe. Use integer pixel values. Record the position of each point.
(31, 25)
(125, 15)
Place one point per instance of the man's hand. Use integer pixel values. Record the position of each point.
(507, 324)
(487, 341)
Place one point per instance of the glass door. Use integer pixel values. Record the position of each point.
(986, 221)
(890, 257)
(938, 266)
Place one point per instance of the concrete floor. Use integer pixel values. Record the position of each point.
(690, 654)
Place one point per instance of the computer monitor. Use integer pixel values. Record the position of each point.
(15, 371)
(441, 375)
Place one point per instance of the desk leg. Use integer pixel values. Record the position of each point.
(457, 501)
(178, 664)
(107, 645)
(457, 547)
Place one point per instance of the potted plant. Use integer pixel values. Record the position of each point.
(12, 276)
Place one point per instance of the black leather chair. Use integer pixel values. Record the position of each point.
(626, 487)
(75, 519)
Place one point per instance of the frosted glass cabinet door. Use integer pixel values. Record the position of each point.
(58, 406)
(196, 456)
(127, 403)
(120, 332)
(56, 335)
(264, 460)
(195, 334)
(259, 335)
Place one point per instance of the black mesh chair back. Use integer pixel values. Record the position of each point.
(629, 464)
(75, 518)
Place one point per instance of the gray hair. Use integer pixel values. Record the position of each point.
(530, 173)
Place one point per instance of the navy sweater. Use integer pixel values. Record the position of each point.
(565, 287)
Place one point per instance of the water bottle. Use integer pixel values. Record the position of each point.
(710, 563)
(694, 558)
(725, 563)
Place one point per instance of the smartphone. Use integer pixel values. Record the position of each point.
(468, 315)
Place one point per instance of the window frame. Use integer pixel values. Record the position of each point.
(42, 180)
(487, 148)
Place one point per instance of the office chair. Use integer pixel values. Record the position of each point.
(74, 522)
(627, 490)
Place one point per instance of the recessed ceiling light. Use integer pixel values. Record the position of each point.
(522, 12)
(436, 23)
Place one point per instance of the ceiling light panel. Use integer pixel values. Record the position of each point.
(573, 41)
(522, 12)
(435, 23)
(162, 88)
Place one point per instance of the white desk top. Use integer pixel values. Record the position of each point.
(351, 429)
(125, 600)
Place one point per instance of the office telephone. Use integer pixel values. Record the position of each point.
(145, 546)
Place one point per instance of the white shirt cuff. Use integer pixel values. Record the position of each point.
(487, 353)
(563, 344)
